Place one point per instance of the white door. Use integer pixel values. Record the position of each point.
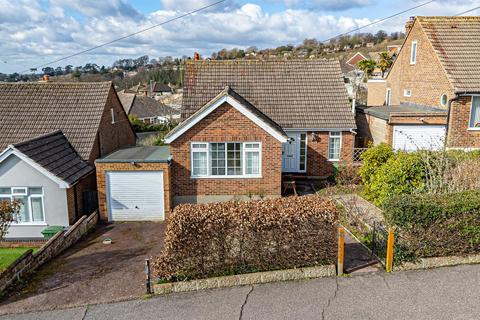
(289, 156)
(135, 195)
(415, 137)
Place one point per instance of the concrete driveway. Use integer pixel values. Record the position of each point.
(91, 272)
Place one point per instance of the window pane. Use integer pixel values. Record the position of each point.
(199, 145)
(303, 150)
(475, 116)
(199, 166)
(217, 156)
(19, 191)
(37, 208)
(4, 190)
(252, 162)
(334, 148)
(234, 159)
(24, 215)
(35, 190)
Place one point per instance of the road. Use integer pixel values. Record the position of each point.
(444, 293)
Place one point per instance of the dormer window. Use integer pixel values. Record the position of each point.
(413, 52)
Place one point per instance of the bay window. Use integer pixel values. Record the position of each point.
(334, 143)
(475, 113)
(31, 203)
(226, 159)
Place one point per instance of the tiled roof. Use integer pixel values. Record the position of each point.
(32, 109)
(456, 41)
(292, 93)
(126, 99)
(145, 107)
(54, 153)
(161, 87)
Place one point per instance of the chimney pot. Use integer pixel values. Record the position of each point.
(46, 77)
(409, 25)
(196, 56)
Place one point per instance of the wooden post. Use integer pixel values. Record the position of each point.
(148, 285)
(390, 244)
(341, 250)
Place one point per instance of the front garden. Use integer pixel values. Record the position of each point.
(10, 255)
(430, 198)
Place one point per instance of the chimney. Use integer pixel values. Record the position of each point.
(409, 25)
(46, 77)
(196, 56)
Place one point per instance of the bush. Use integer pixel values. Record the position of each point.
(348, 175)
(432, 225)
(236, 237)
(402, 173)
(373, 159)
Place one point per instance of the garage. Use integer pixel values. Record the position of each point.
(134, 184)
(135, 195)
(418, 137)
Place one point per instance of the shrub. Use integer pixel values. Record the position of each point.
(373, 159)
(402, 173)
(437, 225)
(234, 237)
(348, 175)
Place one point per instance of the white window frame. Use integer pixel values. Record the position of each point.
(112, 113)
(388, 96)
(407, 92)
(11, 195)
(330, 135)
(413, 53)
(441, 100)
(243, 160)
(471, 114)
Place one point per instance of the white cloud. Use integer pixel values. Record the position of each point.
(332, 5)
(32, 35)
(99, 8)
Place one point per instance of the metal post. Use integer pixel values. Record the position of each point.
(148, 284)
(341, 250)
(374, 237)
(390, 244)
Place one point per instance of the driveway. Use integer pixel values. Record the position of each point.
(91, 272)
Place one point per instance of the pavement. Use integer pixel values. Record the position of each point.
(443, 293)
(91, 272)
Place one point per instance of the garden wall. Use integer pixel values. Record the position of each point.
(30, 261)
(239, 237)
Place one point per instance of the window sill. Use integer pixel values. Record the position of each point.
(473, 129)
(333, 160)
(226, 177)
(30, 224)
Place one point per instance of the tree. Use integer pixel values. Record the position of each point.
(8, 214)
(385, 62)
(380, 36)
(367, 66)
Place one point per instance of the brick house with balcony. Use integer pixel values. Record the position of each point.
(431, 96)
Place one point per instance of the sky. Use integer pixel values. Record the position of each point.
(34, 32)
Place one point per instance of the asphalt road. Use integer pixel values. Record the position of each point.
(445, 293)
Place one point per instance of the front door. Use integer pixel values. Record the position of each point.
(294, 152)
(289, 158)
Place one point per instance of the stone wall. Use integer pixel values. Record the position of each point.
(30, 261)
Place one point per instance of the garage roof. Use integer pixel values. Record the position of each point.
(139, 154)
(384, 112)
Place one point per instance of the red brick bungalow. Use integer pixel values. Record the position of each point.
(247, 122)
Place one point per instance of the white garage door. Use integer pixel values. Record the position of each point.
(135, 195)
(415, 137)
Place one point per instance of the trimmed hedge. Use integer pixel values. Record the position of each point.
(236, 237)
(437, 225)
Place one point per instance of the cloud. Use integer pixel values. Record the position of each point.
(329, 5)
(99, 8)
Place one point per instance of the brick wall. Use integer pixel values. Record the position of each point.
(317, 153)
(427, 78)
(102, 168)
(87, 183)
(376, 92)
(112, 136)
(226, 124)
(458, 135)
(370, 129)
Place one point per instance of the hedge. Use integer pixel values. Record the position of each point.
(236, 237)
(436, 225)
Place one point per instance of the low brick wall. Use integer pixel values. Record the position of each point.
(22, 243)
(30, 261)
(246, 279)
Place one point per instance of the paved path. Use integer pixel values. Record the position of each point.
(445, 293)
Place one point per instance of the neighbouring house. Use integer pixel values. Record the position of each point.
(431, 96)
(147, 109)
(245, 124)
(51, 135)
(160, 89)
(355, 59)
